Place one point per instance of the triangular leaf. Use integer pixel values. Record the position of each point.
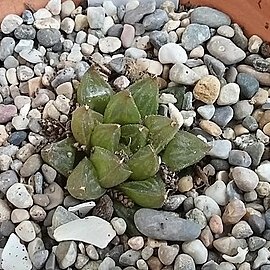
(143, 164)
(145, 94)
(94, 91)
(161, 130)
(122, 109)
(106, 136)
(83, 183)
(60, 155)
(82, 124)
(135, 136)
(149, 193)
(184, 149)
(110, 169)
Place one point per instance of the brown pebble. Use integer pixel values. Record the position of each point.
(216, 225)
(240, 130)
(207, 89)
(266, 129)
(207, 237)
(260, 97)
(185, 183)
(154, 263)
(234, 211)
(37, 213)
(210, 127)
(265, 119)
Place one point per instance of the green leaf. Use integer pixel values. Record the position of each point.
(106, 136)
(60, 155)
(82, 124)
(122, 109)
(128, 215)
(94, 91)
(178, 92)
(161, 130)
(110, 169)
(143, 164)
(135, 136)
(145, 94)
(149, 193)
(83, 183)
(184, 149)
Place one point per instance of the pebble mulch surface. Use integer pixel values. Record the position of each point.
(226, 76)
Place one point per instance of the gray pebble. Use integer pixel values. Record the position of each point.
(165, 225)
(194, 35)
(7, 179)
(7, 228)
(220, 164)
(66, 253)
(239, 158)
(158, 38)
(64, 75)
(135, 15)
(11, 62)
(24, 73)
(25, 32)
(10, 23)
(27, 17)
(231, 75)
(250, 123)
(225, 50)
(248, 85)
(255, 243)
(118, 64)
(241, 230)
(242, 109)
(7, 46)
(220, 149)
(257, 224)
(239, 38)
(223, 115)
(209, 16)
(215, 67)
(115, 31)
(129, 257)
(95, 17)
(173, 202)
(48, 37)
(185, 262)
(155, 20)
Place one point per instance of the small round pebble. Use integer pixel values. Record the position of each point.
(119, 225)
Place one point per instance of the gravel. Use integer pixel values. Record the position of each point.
(215, 82)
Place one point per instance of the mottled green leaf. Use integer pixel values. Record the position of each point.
(183, 150)
(148, 193)
(60, 155)
(94, 91)
(134, 135)
(122, 109)
(83, 182)
(82, 124)
(161, 130)
(178, 92)
(145, 94)
(128, 215)
(143, 164)
(110, 169)
(106, 136)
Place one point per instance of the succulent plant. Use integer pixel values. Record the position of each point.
(124, 140)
